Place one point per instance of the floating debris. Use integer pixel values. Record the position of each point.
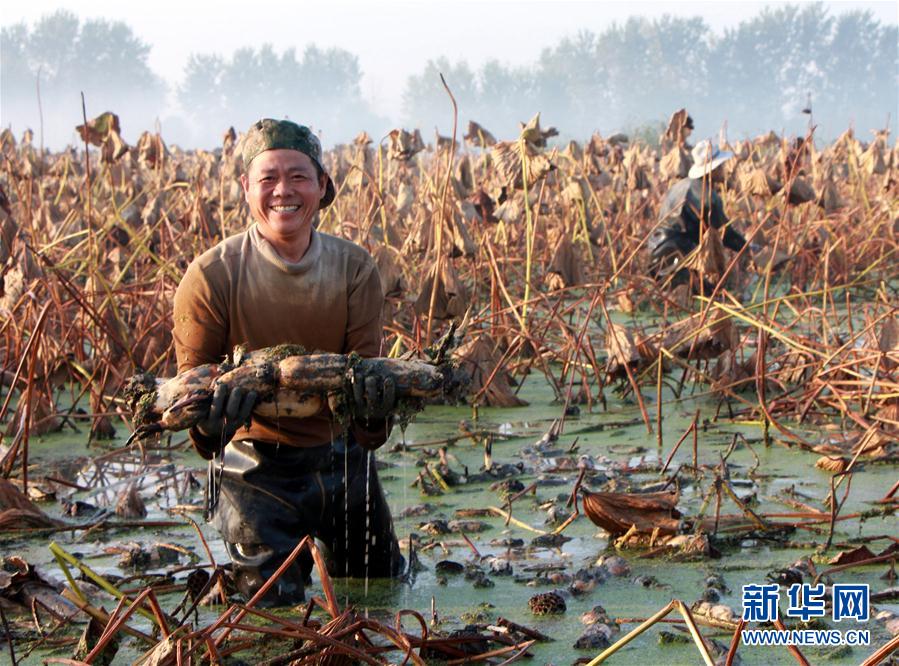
(617, 513)
(547, 603)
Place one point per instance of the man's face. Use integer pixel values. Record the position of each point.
(283, 190)
(718, 175)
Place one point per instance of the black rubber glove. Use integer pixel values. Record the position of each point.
(374, 397)
(229, 410)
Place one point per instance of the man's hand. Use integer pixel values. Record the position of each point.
(229, 410)
(374, 397)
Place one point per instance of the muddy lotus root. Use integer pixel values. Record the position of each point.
(289, 382)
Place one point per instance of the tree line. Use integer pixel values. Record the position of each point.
(760, 75)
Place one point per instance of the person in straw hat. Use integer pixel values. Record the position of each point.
(281, 281)
(690, 203)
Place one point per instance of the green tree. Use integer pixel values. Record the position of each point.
(201, 93)
(626, 75)
(505, 96)
(862, 70)
(761, 68)
(321, 89)
(15, 72)
(103, 59)
(572, 84)
(425, 102)
(763, 71)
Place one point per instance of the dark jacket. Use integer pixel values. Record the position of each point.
(679, 219)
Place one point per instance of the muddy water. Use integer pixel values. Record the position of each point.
(456, 600)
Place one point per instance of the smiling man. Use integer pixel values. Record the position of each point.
(283, 282)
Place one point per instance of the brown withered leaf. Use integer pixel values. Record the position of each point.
(5, 206)
(565, 267)
(888, 413)
(130, 504)
(163, 652)
(636, 166)
(478, 358)
(14, 570)
(196, 583)
(451, 299)
(729, 370)
(464, 182)
(532, 134)
(506, 155)
(511, 210)
(626, 302)
(553, 282)
(229, 139)
(872, 442)
(621, 348)
(801, 192)
(769, 139)
(44, 416)
(576, 192)
(478, 136)
(387, 259)
(17, 511)
(675, 134)
(21, 586)
(151, 149)
(113, 147)
(405, 197)
(888, 340)
(852, 556)
(573, 151)
(443, 142)
(89, 639)
(38, 494)
(102, 429)
(742, 150)
(7, 139)
(708, 257)
(97, 129)
(646, 512)
(676, 163)
(872, 160)
(484, 206)
(829, 199)
(463, 243)
(760, 183)
(690, 546)
(701, 337)
(638, 179)
(404, 145)
(832, 464)
(768, 255)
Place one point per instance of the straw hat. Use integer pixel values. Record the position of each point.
(706, 158)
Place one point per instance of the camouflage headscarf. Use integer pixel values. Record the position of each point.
(269, 134)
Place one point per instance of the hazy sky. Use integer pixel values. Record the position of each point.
(392, 39)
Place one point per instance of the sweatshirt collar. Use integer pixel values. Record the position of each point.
(313, 252)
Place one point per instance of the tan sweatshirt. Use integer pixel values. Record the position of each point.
(241, 292)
